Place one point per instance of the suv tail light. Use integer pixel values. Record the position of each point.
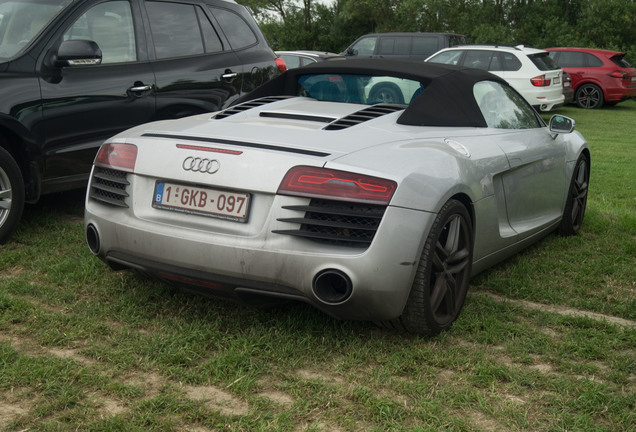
(619, 74)
(117, 156)
(339, 185)
(540, 81)
(282, 66)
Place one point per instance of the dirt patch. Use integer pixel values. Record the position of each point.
(217, 400)
(70, 354)
(10, 413)
(310, 375)
(482, 422)
(278, 398)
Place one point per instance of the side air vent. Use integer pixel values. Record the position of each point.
(108, 186)
(366, 114)
(336, 222)
(249, 105)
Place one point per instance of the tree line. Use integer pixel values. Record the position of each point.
(331, 25)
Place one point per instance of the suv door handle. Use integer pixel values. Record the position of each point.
(139, 87)
(229, 75)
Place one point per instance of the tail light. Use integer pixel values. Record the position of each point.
(118, 156)
(339, 185)
(282, 66)
(619, 74)
(540, 81)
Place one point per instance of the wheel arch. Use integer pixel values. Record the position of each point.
(468, 203)
(22, 147)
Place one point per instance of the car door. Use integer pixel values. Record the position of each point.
(85, 104)
(195, 67)
(533, 184)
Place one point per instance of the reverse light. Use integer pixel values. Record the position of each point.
(540, 81)
(117, 156)
(338, 185)
(619, 74)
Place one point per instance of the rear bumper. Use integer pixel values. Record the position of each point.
(268, 264)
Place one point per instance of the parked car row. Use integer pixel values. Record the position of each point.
(546, 78)
(369, 189)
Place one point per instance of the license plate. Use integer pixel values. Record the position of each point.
(557, 80)
(634, 79)
(232, 206)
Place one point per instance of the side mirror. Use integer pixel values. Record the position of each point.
(78, 53)
(561, 124)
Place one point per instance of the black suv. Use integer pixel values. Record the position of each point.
(75, 72)
(403, 46)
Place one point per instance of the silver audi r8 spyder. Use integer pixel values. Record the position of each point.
(308, 189)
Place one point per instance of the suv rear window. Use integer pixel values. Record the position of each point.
(237, 31)
(619, 60)
(543, 61)
(425, 45)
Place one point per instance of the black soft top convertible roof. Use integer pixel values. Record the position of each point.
(447, 99)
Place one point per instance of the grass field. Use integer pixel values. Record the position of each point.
(546, 341)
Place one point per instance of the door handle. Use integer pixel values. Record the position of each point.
(229, 75)
(140, 88)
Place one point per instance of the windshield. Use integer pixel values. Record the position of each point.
(22, 20)
(359, 89)
(543, 61)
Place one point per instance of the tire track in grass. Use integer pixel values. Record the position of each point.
(561, 310)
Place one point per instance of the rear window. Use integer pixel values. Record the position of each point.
(359, 89)
(543, 61)
(425, 45)
(619, 60)
(237, 31)
(454, 40)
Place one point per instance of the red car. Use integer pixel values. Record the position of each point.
(598, 76)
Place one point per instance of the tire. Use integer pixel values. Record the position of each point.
(443, 274)
(576, 200)
(589, 96)
(386, 94)
(11, 195)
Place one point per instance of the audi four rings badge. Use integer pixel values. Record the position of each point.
(197, 164)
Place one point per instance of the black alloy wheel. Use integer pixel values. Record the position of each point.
(589, 96)
(574, 211)
(11, 195)
(443, 274)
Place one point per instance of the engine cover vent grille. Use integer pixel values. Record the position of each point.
(336, 222)
(364, 115)
(108, 186)
(248, 105)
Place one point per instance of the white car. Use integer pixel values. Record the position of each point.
(530, 71)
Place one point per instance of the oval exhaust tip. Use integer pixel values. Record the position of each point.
(332, 286)
(92, 238)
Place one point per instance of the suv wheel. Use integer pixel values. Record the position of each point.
(11, 195)
(589, 96)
